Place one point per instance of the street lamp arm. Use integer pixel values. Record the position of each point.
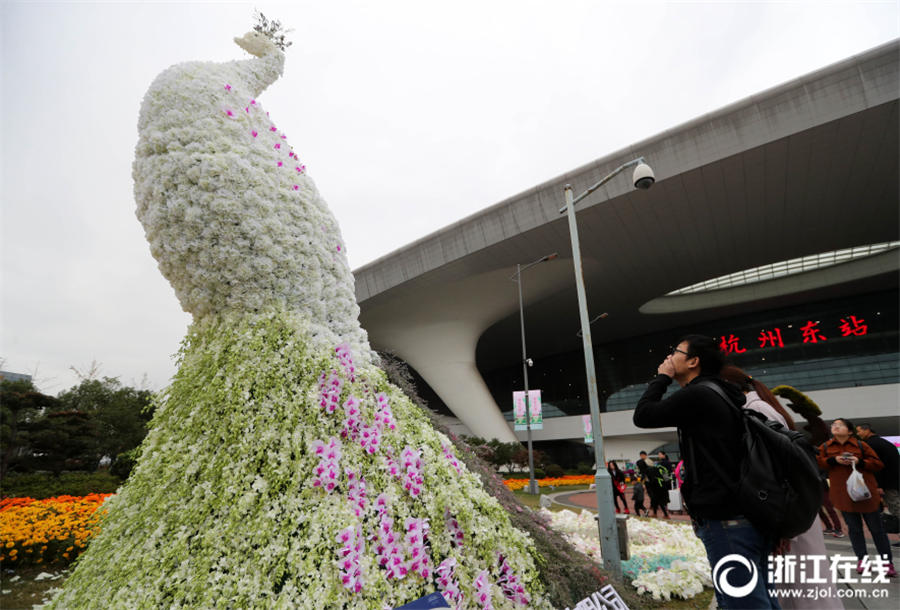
(603, 181)
(517, 278)
(543, 259)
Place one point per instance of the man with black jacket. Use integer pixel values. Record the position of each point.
(709, 437)
(888, 478)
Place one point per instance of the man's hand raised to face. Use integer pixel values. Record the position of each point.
(666, 367)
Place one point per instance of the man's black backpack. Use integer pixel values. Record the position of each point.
(779, 487)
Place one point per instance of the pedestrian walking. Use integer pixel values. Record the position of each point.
(641, 465)
(888, 478)
(666, 468)
(617, 477)
(637, 496)
(656, 489)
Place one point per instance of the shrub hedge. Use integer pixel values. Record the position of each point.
(44, 485)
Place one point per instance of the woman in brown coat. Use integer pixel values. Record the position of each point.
(838, 456)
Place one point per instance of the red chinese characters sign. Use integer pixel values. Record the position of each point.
(810, 332)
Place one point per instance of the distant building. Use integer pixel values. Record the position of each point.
(8, 376)
(773, 226)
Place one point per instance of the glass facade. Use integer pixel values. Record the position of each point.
(786, 268)
(838, 343)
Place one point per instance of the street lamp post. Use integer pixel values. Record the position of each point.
(517, 278)
(606, 520)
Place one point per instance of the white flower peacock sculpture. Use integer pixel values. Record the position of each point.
(281, 470)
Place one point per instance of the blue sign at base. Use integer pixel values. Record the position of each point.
(434, 600)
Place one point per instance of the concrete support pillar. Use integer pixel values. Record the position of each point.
(444, 355)
(436, 329)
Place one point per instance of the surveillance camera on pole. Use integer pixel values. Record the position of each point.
(608, 528)
(643, 177)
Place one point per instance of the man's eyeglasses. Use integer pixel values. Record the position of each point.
(680, 351)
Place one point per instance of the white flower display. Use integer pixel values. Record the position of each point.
(649, 540)
(232, 217)
(281, 469)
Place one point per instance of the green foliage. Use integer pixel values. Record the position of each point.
(567, 575)
(63, 440)
(584, 468)
(503, 452)
(494, 451)
(125, 462)
(554, 470)
(72, 432)
(121, 412)
(39, 485)
(222, 504)
(20, 404)
(520, 458)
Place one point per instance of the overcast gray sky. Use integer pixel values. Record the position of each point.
(408, 114)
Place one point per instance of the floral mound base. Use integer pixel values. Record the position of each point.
(279, 475)
(667, 559)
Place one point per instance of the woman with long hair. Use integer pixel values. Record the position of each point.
(810, 543)
(759, 397)
(840, 456)
(618, 484)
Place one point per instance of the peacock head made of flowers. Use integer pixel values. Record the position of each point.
(233, 219)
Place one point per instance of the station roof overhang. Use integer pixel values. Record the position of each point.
(806, 167)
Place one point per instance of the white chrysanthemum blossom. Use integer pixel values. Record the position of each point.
(281, 469)
(231, 215)
(647, 539)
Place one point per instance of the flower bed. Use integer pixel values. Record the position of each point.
(55, 530)
(569, 479)
(667, 559)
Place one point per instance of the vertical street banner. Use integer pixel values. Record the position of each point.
(534, 404)
(588, 434)
(520, 420)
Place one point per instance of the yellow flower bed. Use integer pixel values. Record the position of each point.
(55, 530)
(569, 479)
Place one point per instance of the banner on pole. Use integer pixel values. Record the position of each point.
(534, 403)
(521, 414)
(588, 434)
(519, 411)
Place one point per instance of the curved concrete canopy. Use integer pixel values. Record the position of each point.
(806, 167)
(876, 265)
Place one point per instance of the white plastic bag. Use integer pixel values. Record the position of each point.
(856, 486)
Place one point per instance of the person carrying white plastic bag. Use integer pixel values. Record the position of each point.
(844, 456)
(856, 486)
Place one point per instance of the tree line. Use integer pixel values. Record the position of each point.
(97, 419)
(102, 418)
